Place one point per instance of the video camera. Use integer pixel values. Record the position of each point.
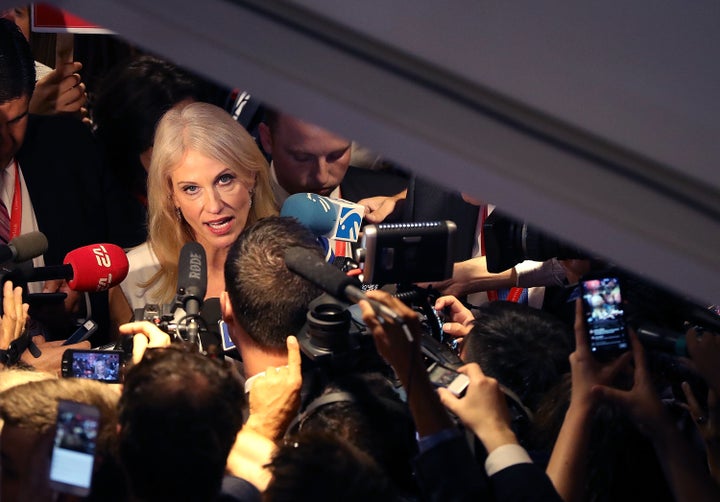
(391, 254)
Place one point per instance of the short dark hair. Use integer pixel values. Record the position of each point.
(269, 301)
(320, 466)
(180, 412)
(17, 66)
(373, 418)
(524, 348)
(129, 104)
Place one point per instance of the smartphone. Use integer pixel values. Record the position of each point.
(101, 365)
(442, 376)
(73, 454)
(604, 316)
(82, 333)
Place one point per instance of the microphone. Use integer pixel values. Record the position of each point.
(24, 247)
(91, 268)
(331, 218)
(663, 340)
(334, 282)
(192, 284)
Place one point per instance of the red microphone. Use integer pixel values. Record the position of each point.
(96, 267)
(91, 268)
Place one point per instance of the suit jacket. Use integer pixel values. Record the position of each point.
(448, 471)
(74, 198)
(360, 183)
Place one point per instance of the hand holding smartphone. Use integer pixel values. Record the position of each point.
(442, 376)
(604, 316)
(73, 454)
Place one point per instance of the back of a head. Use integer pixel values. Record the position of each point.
(370, 415)
(179, 414)
(17, 66)
(525, 349)
(269, 301)
(132, 99)
(316, 466)
(33, 405)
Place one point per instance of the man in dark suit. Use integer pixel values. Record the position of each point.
(52, 178)
(308, 158)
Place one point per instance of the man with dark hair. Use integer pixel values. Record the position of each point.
(264, 302)
(180, 413)
(52, 178)
(525, 349)
(318, 466)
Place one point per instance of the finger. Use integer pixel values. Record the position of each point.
(449, 400)
(455, 329)
(581, 337)
(132, 328)
(67, 69)
(294, 359)
(472, 370)
(368, 314)
(693, 405)
(638, 354)
(19, 318)
(140, 344)
(68, 83)
(609, 394)
(621, 362)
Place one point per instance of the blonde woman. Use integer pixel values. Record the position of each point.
(207, 181)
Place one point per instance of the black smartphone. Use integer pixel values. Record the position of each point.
(604, 316)
(73, 454)
(82, 333)
(101, 365)
(442, 376)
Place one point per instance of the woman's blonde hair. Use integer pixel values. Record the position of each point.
(212, 132)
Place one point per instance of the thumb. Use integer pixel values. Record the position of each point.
(449, 400)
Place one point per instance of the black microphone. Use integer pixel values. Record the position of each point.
(330, 279)
(24, 247)
(192, 284)
(662, 339)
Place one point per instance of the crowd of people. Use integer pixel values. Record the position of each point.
(148, 162)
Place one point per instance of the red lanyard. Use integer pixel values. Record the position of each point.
(514, 293)
(16, 211)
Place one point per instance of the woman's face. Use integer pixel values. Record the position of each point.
(213, 200)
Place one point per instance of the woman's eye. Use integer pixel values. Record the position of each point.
(190, 189)
(225, 179)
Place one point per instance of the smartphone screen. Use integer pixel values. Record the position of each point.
(73, 453)
(442, 376)
(604, 316)
(104, 366)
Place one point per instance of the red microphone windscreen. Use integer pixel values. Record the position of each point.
(97, 267)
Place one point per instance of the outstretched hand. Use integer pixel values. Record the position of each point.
(461, 319)
(275, 396)
(145, 336)
(483, 409)
(391, 338)
(15, 314)
(60, 91)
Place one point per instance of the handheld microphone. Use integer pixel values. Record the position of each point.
(334, 282)
(192, 284)
(91, 268)
(24, 247)
(331, 218)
